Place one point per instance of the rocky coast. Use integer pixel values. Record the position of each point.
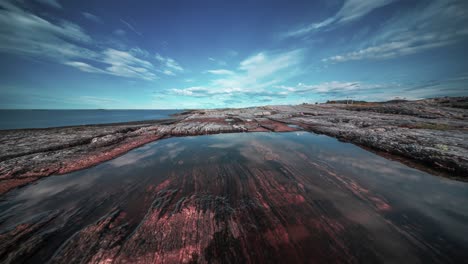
(431, 134)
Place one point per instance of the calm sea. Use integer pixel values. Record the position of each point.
(14, 119)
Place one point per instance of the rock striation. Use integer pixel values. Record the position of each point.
(239, 198)
(432, 133)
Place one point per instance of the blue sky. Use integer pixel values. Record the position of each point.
(58, 54)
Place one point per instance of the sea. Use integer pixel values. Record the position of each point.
(18, 119)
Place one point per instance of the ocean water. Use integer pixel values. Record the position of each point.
(15, 119)
(290, 197)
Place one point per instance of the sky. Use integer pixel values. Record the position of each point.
(58, 54)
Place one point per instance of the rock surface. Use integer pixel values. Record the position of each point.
(431, 132)
(238, 198)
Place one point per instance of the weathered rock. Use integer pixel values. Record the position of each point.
(261, 199)
(425, 131)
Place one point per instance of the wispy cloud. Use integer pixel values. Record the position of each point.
(91, 17)
(437, 24)
(128, 64)
(119, 63)
(129, 26)
(67, 43)
(393, 49)
(328, 87)
(169, 63)
(26, 33)
(83, 66)
(119, 32)
(125, 64)
(253, 76)
(219, 62)
(359, 90)
(351, 10)
(221, 72)
(51, 3)
(168, 72)
(196, 91)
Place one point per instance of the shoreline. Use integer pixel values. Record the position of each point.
(428, 133)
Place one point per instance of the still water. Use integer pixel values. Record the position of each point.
(15, 119)
(239, 198)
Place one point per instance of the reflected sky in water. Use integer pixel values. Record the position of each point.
(408, 198)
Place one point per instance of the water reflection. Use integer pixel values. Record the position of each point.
(289, 195)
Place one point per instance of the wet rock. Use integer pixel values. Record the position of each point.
(20, 242)
(269, 204)
(405, 129)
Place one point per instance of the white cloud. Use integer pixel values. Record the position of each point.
(254, 75)
(138, 52)
(169, 63)
(168, 72)
(328, 87)
(24, 33)
(173, 64)
(116, 57)
(437, 24)
(199, 91)
(125, 64)
(350, 11)
(454, 86)
(355, 9)
(119, 63)
(192, 91)
(221, 72)
(253, 61)
(264, 69)
(390, 50)
(83, 66)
